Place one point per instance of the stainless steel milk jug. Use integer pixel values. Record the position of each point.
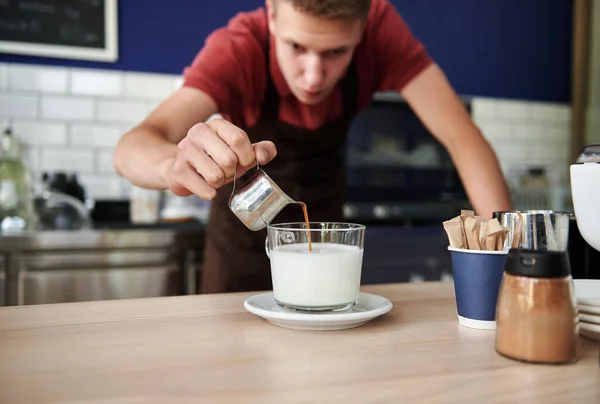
(258, 200)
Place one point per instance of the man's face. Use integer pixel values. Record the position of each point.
(313, 53)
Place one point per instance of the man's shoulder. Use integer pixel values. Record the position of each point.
(378, 9)
(247, 29)
(385, 27)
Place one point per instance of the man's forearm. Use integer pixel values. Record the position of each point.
(480, 171)
(439, 108)
(141, 155)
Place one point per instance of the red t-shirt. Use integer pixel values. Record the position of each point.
(231, 68)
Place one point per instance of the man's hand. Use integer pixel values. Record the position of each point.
(208, 156)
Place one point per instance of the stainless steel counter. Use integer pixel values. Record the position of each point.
(78, 240)
(56, 267)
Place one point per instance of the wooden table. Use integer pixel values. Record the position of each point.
(208, 349)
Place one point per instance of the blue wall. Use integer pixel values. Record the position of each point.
(508, 48)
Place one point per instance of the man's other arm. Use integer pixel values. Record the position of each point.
(434, 101)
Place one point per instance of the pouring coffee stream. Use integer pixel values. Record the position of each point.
(305, 212)
(259, 200)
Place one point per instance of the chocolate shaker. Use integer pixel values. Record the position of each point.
(536, 314)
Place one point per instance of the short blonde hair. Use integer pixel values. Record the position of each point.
(344, 9)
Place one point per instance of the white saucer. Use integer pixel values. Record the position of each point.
(589, 327)
(594, 310)
(368, 307)
(589, 318)
(587, 291)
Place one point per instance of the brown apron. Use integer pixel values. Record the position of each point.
(309, 167)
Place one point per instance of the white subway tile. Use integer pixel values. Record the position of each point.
(528, 133)
(89, 82)
(543, 152)
(483, 107)
(494, 131)
(508, 163)
(522, 152)
(121, 111)
(18, 105)
(41, 133)
(558, 132)
(523, 157)
(560, 153)
(143, 85)
(104, 162)
(96, 135)
(177, 82)
(73, 108)
(480, 121)
(102, 186)
(511, 152)
(566, 161)
(502, 151)
(509, 109)
(68, 160)
(31, 158)
(38, 78)
(547, 112)
(3, 76)
(126, 188)
(562, 144)
(542, 159)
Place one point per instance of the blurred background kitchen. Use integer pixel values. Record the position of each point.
(528, 72)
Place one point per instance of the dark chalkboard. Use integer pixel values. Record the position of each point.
(84, 29)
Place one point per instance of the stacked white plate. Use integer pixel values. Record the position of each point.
(587, 292)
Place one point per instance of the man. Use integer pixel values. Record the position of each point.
(288, 79)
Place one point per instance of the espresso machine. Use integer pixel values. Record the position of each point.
(585, 192)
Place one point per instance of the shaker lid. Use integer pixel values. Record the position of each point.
(538, 263)
(589, 154)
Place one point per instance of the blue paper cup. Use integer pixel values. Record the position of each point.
(477, 278)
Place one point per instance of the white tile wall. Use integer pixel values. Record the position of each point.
(103, 186)
(68, 108)
(15, 105)
(34, 78)
(40, 133)
(148, 85)
(71, 160)
(31, 157)
(551, 113)
(71, 120)
(104, 162)
(95, 135)
(84, 82)
(3, 77)
(518, 110)
(121, 111)
(526, 134)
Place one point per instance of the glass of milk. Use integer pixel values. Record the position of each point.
(324, 279)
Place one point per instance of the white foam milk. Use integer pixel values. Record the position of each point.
(329, 275)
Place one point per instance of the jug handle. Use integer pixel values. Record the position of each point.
(267, 247)
(235, 176)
